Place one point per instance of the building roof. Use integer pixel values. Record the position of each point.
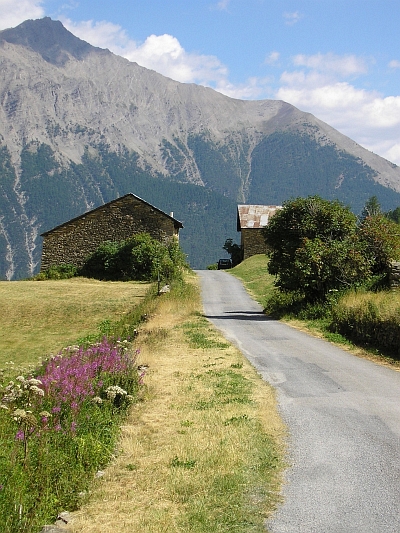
(176, 222)
(255, 216)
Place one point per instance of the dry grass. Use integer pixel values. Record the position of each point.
(386, 302)
(39, 318)
(188, 454)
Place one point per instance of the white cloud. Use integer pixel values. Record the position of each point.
(292, 18)
(366, 116)
(253, 89)
(394, 63)
(222, 5)
(344, 66)
(165, 54)
(13, 12)
(272, 58)
(162, 53)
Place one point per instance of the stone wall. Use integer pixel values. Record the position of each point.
(72, 242)
(394, 275)
(252, 242)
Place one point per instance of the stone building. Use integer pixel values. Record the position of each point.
(73, 241)
(251, 219)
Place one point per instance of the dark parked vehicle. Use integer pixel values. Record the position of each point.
(224, 263)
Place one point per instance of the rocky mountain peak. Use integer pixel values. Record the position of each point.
(50, 39)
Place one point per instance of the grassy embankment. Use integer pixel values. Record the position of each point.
(366, 323)
(203, 451)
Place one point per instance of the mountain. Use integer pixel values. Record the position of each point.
(80, 126)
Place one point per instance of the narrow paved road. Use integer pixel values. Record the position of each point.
(343, 415)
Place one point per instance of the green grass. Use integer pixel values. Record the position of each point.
(206, 445)
(254, 274)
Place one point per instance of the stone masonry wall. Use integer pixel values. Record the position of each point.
(72, 242)
(252, 242)
(395, 275)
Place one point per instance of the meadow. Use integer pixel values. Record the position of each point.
(40, 318)
(163, 427)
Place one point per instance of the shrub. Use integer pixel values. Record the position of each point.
(139, 258)
(64, 271)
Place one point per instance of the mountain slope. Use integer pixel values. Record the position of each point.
(80, 126)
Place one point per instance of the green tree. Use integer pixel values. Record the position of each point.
(234, 250)
(394, 215)
(371, 208)
(381, 237)
(314, 247)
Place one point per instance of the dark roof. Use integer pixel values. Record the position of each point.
(176, 222)
(255, 216)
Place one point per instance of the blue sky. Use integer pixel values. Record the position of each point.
(338, 59)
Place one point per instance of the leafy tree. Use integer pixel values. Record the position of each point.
(234, 250)
(394, 215)
(372, 208)
(314, 247)
(382, 242)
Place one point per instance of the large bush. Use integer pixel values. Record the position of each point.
(138, 258)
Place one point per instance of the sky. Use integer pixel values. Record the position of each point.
(337, 59)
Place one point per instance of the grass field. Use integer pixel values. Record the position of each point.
(203, 451)
(254, 274)
(41, 317)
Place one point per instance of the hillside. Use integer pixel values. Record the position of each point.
(80, 126)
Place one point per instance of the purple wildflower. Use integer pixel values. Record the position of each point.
(20, 435)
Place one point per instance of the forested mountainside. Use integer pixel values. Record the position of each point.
(80, 126)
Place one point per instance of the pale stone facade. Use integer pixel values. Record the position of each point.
(73, 241)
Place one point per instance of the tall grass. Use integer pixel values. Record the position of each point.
(60, 420)
(370, 319)
(201, 453)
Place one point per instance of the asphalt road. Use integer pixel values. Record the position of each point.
(342, 413)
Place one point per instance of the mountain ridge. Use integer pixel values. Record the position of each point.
(83, 126)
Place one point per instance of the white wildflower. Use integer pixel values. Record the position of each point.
(113, 391)
(97, 399)
(37, 390)
(33, 381)
(19, 415)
